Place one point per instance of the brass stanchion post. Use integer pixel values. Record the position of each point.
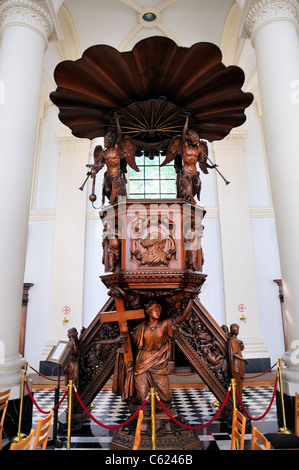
(138, 431)
(57, 442)
(233, 385)
(153, 415)
(284, 429)
(69, 418)
(20, 436)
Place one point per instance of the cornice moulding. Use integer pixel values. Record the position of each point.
(234, 141)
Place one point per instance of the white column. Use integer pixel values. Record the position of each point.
(272, 27)
(25, 27)
(69, 242)
(236, 244)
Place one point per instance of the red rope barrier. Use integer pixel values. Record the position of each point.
(259, 375)
(116, 426)
(42, 375)
(267, 410)
(39, 409)
(195, 428)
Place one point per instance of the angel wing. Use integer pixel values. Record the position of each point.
(98, 156)
(174, 149)
(127, 150)
(203, 157)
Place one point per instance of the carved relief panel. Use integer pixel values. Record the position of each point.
(144, 235)
(152, 240)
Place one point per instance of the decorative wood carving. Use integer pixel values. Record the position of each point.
(111, 248)
(202, 341)
(205, 346)
(117, 153)
(149, 86)
(152, 250)
(187, 150)
(152, 241)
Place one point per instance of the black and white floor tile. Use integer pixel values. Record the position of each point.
(196, 405)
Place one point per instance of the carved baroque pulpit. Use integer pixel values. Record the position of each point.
(158, 99)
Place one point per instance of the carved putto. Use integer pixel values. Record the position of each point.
(111, 247)
(187, 150)
(118, 151)
(193, 234)
(207, 347)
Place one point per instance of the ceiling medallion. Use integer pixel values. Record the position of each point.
(149, 18)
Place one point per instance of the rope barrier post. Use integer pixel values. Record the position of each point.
(152, 393)
(138, 431)
(55, 441)
(69, 418)
(284, 429)
(20, 436)
(233, 386)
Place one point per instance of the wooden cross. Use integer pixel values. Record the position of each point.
(121, 316)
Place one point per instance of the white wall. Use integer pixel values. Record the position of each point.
(39, 272)
(95, 292)
(267, 269)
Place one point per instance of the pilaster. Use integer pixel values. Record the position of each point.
(69, 241)
(236, 244)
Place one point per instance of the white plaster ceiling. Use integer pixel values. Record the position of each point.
(119, 22)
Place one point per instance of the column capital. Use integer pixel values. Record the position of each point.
(36, 14)
(257, 13)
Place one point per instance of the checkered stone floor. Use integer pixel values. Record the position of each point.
(194, 404)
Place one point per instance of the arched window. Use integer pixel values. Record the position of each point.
(152, 181)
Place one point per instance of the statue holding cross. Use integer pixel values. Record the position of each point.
(123, 382)
(135, 376)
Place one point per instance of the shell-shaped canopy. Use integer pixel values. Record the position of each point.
(150, 88)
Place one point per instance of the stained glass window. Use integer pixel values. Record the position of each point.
(152, 181)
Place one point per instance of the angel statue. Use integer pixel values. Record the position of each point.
(187, 150)
(117, 152)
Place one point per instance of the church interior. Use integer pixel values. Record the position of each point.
(226, 70)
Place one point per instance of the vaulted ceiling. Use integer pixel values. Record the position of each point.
(121, 23)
